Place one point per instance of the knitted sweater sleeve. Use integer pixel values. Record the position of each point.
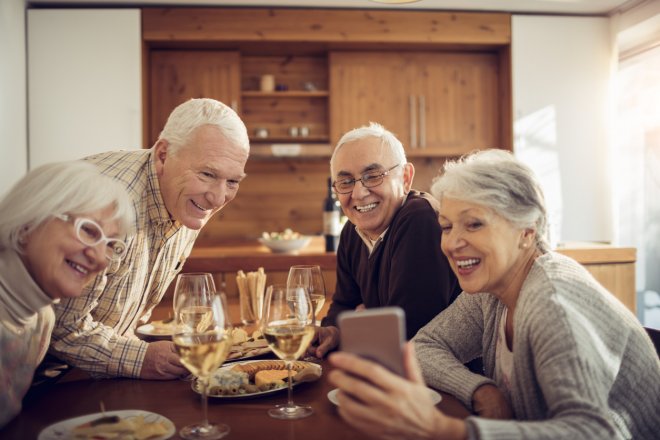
(453, 338)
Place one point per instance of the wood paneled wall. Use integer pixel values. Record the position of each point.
(222, 52)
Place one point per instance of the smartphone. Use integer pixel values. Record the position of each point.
(376, 334)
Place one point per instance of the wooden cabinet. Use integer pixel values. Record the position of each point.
(179, 75)
(437, 103)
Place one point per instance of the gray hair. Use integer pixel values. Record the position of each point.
(194, 113)
(73, 187)
(497, 180)
(375, 130)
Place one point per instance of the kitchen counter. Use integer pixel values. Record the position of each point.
(613, 267)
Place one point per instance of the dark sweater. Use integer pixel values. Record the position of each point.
(407, 269)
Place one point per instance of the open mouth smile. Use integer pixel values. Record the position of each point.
(199, 206)
(366, 208)
(78, 268)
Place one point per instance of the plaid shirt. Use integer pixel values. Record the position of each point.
(94, 332)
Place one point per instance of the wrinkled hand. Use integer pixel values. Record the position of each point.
(325, 339)
(386, 406)
(489, 402)
(161, 362)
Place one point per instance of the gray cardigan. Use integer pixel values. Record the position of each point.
(583, 365)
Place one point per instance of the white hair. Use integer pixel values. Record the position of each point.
(194, 113)
(497, 180)
(374, 130)
(74, 187)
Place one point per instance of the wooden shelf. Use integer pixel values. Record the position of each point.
(285, 94)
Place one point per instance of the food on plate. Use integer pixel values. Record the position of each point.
(163, 327)
(114, 427)
(288, 234)
(252, 368)
(259, 376)
(238, 335)
(249, 346)
(266, 377)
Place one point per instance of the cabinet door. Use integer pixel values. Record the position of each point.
(437, 104)
(457, 102)
(370, 86)
(177, 76)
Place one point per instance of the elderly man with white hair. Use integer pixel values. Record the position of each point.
(192, 171)
(389, 251)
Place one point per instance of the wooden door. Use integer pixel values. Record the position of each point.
(369, 86)
(458, 102)
(178, 75)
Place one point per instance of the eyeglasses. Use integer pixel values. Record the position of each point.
(369, 180)
(90, 233)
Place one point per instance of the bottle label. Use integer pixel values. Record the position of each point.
(331, 225)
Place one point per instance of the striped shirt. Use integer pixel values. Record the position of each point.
(94, 332)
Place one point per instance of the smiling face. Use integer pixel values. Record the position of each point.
(201, 177)
(487, 253)
(58, 262)
(371, 209)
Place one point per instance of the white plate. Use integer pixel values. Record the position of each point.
(193, 384)
(435, 396)
(62, 430)
(155, 332)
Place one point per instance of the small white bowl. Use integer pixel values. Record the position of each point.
(282, 246)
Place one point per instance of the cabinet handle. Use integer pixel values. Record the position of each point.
(413, 122)
(422, 121)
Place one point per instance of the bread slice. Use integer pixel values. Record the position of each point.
(265, 377)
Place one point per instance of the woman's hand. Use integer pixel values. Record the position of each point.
(489, 402)
(384, 405)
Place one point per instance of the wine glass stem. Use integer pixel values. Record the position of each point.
(290, 392)
(205, 403)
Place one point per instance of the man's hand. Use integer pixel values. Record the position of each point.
(161, 362)
(325, 339)
(489, 402)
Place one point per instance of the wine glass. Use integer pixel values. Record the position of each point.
(310, 278)
(202, 339)
(187, 282)
(288, 326)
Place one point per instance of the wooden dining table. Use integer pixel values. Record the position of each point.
(76, 394)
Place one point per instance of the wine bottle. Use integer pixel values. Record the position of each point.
(331, 223)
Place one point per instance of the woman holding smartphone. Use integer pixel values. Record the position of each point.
(562, 357)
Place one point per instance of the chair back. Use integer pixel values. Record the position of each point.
(654, 334)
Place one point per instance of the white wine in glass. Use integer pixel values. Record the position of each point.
(310, 278)
(203, 340)
(288, 326)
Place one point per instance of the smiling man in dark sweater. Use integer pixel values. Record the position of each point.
(389, 251)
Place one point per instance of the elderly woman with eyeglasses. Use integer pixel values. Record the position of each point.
(563, 359)
(60, 226)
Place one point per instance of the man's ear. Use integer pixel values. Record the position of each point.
(160, 155)
(408, 175)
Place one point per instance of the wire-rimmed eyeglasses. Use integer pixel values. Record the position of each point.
(369, 180)
(91, 233)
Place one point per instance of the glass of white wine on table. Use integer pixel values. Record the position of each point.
(203, 340)
(310, 278)
(288, 326)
